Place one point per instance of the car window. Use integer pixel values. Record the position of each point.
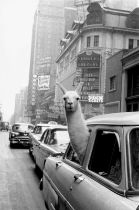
(37, 130)
(134, 150)
(106, 156)
(44, 135)
(47, 136)
(30, 127)
(59, 137)
(72, 155)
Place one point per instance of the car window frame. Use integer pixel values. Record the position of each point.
(42, 139)
(48, 133)
(108, 132)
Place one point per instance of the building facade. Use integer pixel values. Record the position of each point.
(48, 29)
(122, 82)
(130, 76)
(20, 110)
(85, 49)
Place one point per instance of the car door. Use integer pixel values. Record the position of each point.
(40, 150)
(89, 188)
(61, 175)
(45, 148)
(35, 140)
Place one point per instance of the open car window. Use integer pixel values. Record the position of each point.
(106, 156)
(59, 137)
(72, 155)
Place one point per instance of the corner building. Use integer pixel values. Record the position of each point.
(85, 49)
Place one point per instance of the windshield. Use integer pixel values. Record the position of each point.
(19, 127)
(134, 153)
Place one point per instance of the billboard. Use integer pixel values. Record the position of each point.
(43, 82)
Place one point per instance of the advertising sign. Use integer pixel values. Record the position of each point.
(91, 60)
(95, 98)
(43, 82)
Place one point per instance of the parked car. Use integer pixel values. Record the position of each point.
(108, 179)
(19, 134)
(4, 126)
(54, 140)
(35, 136)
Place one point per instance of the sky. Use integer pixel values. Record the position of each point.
(16, 21)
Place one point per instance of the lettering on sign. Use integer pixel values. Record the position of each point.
(88, 60)
(43, 82)
(96, 98)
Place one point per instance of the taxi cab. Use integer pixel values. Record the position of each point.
(108, 179)
(54, 140)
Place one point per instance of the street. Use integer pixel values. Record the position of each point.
(19, 184)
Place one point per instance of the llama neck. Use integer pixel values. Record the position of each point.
(78, 131)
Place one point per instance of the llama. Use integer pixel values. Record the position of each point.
(77, 128)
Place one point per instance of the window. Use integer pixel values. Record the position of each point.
(44, 136)
(106, 156)
(72, 156)
(96, 41)
(113, 83)
(88, 41)
(134, 154)
(130, 44)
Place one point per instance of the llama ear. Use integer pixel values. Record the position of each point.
(61, 87)
(79, 87)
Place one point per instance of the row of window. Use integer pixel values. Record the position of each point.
(96, 41)
(132, 43)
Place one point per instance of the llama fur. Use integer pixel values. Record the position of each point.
(77, 128)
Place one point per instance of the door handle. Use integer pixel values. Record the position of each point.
(58, 164)
(78, 178)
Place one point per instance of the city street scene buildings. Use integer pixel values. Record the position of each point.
(94, 42)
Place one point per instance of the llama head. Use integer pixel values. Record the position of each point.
(71, 98)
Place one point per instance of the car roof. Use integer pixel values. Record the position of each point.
(23, 124)
(42, 124)
(121, 118)
(58, 127)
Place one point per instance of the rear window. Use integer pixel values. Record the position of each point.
(40, 129)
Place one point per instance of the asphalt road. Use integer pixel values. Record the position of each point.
(19, 183)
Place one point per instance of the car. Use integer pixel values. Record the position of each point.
(54, 140)
(4, 126)
(35, 137)
(108, 178)
(19, 134)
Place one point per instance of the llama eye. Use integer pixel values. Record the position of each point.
(64, 99)
(78, 99)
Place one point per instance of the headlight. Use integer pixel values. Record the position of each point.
(12, 135)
